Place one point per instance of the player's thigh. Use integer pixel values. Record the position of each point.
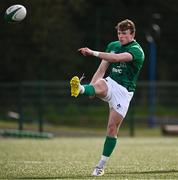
(101, 88)
(114, 122)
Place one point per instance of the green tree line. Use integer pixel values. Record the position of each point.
(44, 45)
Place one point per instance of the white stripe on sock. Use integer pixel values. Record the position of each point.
(104, 158)
(82, 89)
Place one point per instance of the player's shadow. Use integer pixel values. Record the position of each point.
(148, 172)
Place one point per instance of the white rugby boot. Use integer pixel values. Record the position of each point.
(98, 171)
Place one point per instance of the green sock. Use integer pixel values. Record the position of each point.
(89, 90)
(109, 145)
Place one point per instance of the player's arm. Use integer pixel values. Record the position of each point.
(100, 71)
(109, 57)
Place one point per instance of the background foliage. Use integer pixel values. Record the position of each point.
(44, 46)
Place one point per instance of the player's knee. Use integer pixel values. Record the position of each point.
(100, 88)
(111, 129)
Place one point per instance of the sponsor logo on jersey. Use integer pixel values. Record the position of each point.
(118, 68)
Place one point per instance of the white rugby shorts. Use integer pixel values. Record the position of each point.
(117, 96)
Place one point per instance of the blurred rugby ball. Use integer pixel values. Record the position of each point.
(15, 13)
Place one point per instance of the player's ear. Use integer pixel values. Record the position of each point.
(133, 34)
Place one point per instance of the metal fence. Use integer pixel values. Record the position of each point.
(50, 103)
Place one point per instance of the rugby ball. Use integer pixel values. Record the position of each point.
(15, 13)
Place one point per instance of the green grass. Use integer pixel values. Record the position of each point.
(74, 158)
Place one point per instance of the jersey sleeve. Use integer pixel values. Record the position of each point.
(137, 53)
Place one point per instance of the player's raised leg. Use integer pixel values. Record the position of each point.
(77, 88)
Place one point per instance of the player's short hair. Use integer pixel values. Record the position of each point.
(125, 25)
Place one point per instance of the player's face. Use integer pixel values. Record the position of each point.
(125, 36)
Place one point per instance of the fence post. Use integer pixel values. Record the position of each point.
(40, 108)
(131, 122)
(152, 83)
(20, 106)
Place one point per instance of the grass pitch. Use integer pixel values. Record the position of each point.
(74, 158)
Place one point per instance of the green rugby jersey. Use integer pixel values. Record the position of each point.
(126, 73)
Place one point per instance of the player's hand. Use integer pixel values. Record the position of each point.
(86, 51)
